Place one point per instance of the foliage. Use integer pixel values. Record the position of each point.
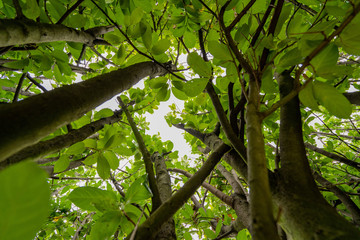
(223, 44)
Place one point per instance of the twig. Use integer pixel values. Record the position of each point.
(18, 88)
(70, 10)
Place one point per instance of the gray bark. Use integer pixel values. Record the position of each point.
(26, 122)
(14, 32)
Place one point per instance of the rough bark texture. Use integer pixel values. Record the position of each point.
(14, 32)
(353, 97)
(263, 224)
(304, 212)
(26, 122)
(47, 147)
(167, 231)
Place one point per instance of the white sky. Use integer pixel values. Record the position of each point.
(158, 123)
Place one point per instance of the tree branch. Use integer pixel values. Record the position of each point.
(334, 156)
(345, 199)
(70, 10)
(156, 201)
(151, 225)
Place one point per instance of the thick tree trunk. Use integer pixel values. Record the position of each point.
(263, 224)
(304, 212)
(26, 122)
(41, 149)
(14, 32)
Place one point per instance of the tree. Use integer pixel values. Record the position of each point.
(269, 92)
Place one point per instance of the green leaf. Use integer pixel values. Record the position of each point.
(112, 159)
(163, 94)
(24, 201)
(161, 46)
(92, 199)
(76, 21)
(179, 94)
(136, 16)
(64, 68)
(350, 36)
(110, 142)
(20, 64)
(31, 9)
(195, 86)
(76, 148)
(103, 113)
(103, 167)
(267, 82)
(189, 39)
(218, 227)
(144, 5)
(335, 102)
(158, 82)
(106, 225)
(61, 164)
(138, 190)
(124, 151)
(199, 65)
(60, 56)
(219, 51)
(326, 60)
(290, 58)
(306, 96)
(242, 235)
(92, 159)
(147, 37)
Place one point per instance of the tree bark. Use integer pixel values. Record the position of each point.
(151, 226)
(304, 213)
(263, 224)
(47, 147)
(26, 122)
(167, 231)
(14, 32)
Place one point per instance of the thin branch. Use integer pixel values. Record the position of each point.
(104, 58)
(35, 82)
(334, 156)
(219, 194)
(344, 198)
(18, 88)
(209, 9)
(326, 41)
(240, 15)
(304, 7)
(19, 13)
(271, 31)
(146, 156)
(69, 11)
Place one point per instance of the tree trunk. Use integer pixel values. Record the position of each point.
(26, 122)
(167, 231)
(47, 147)
(263, 224)
(14, 32)
(304, 212)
